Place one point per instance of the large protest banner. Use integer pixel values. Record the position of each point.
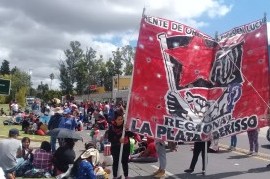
(189, 86)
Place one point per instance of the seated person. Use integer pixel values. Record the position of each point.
(79, 126)
(43, 157)
(84, 166)
(64, 156)
(2, 112)
(26, 150)
(25, 125)
(11, 149)
(142, 146)
(148, 155)
(102, 122)
(26, 159)
(34, 127)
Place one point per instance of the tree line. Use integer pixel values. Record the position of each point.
(78, 70)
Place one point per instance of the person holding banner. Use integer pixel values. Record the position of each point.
(253, 141)
(114, 137)
(199, 147)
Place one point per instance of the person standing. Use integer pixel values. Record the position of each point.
(199, 147)
(253, 141)
(54, 123)
(68, 121)
(15, 108)
(161, 152)
(233, 142)
(106, 109)
(114, 137)
(11, 149)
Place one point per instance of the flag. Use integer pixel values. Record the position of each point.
(188, 86)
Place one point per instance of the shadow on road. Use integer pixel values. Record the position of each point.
(144, 177)
(265, 146)
(214, 176)
(239, 157)
(259, 170)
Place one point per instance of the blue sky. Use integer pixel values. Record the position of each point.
(34, 33)
(242, 12)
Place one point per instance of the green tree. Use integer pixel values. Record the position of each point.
(81, 77)
(42, 89)
(5, 70)
(128, 53)
(20, 96)
(65, 80)
(92, 65)
(117, 61)
(73, 56)
(110, 73)
(20, 81)
(68, 68)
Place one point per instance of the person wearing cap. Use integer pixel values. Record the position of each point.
(11, 149)
(85, 165)
(54, 123)
(68, 121)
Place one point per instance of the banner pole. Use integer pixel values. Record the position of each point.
(205, 157)
(125, 116)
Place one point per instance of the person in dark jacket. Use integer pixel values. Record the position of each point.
(114, 137)
(199, 147)
(54, 123)
(64, 156)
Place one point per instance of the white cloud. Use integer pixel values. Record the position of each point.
(34, 33)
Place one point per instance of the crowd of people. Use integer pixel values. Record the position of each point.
(19, 159)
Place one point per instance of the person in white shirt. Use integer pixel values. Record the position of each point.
(11, 150)
(15, 108)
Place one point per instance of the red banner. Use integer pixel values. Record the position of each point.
(188, 86)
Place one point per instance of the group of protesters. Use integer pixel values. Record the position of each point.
(19, 159)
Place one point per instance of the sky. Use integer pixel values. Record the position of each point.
(35, 33)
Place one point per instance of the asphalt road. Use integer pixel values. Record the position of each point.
(224, 164)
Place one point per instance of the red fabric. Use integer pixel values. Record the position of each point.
(152, 149)
(40, 132)
(218, 87)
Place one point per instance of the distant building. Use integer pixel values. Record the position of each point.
(121, 85)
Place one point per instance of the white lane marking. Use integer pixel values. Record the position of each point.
(167, 173)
